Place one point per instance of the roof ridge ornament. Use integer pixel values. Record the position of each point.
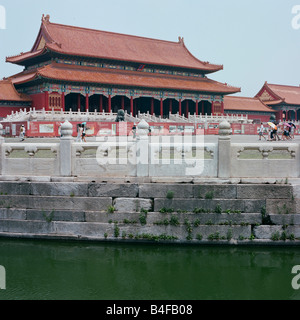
(46, 18)
(181, 40)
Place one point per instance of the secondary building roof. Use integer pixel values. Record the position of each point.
(273, 94)
(9, 93)
(234, 103)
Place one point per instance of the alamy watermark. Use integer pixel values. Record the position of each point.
(2, 18)
(296, 18)
(2, 278)
(296, 279)
(186, 152)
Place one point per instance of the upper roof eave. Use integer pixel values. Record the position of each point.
(210, 70)
(19, 59)
(59, 38)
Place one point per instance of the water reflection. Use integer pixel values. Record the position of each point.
(68, 270)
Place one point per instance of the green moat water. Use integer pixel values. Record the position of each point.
(44, 270)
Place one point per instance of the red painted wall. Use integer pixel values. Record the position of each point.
(38, 101)
(6, 111)
(262, 118)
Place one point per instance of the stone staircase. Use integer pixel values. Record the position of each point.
(180, 213)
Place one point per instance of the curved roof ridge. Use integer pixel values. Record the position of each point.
(241, 97)
(111, 32)
(283, 85)
(181, 41)
(226, 84)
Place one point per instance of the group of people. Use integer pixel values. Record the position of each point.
(287, 131)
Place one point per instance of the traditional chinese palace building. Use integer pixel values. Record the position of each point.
(284, 100)
(74, 68)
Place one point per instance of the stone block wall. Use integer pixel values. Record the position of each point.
(183, 213)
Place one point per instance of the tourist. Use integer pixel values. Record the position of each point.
(79, 133)
(275, 134)
(22, 133)
(261, 132)
(272, 135)
(285, 133)
(134, 131)
(292, 130)
(269, 134)
(83, 132)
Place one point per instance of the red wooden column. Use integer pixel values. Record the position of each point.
(222, 107)
(101, 103)
(180, 113)
(296, 116)
(46, 100)
(212, 108)
(87, 102)
(161, 107)
(109, 104)
(152, 106)
(78, 102)
(131, 105)
(170, 107)
(197, 108)
(63, 101)
(280, 115)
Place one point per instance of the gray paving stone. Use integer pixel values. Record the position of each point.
(113, 190)
(132, 204)
(251, 206)
(226, 191)
(267, 191)
(154, 190)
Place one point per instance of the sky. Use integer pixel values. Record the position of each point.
(255, 41)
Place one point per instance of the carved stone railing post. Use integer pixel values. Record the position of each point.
(65, 154)
(224, 160)
(142, 149)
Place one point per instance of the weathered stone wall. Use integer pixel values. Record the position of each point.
(186, 213)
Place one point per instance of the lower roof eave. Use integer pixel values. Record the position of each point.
(122, 86)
